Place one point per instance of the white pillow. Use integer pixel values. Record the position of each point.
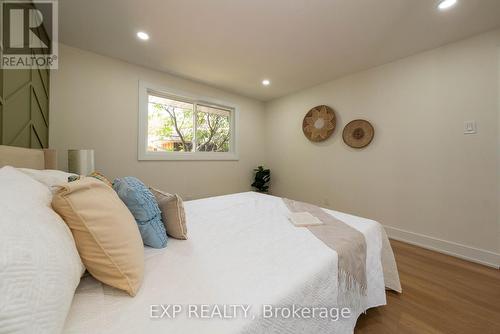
(50, 177)
(39, 264)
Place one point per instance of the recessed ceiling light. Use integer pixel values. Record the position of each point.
(445, 4)
(266, 82)
(142, 35)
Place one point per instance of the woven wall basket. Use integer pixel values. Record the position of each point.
(358, 133)
(319, 123)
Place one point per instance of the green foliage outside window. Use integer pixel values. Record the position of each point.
(171, 127)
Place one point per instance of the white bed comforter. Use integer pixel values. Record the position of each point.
(241, 250)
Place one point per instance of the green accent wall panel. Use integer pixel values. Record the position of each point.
(14, 80)
(23, 140)
(24, 108)
(38, 123)
(16, 114)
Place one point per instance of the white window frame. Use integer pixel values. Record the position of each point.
(143, 154)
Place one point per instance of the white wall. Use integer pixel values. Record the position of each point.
(421, 175)
(94, 104)
(498, 150)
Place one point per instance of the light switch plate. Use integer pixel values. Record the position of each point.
(470, 127)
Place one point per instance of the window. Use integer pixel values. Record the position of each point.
(178, 126)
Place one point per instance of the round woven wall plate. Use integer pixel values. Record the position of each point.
(319, 123)
(358, 133)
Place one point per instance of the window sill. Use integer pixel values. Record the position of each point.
(207, 156)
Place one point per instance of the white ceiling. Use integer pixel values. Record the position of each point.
(234, 44)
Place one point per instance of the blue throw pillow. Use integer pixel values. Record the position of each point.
(143, 206)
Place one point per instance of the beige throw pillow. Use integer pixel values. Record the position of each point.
(172, 213)
(105, 232)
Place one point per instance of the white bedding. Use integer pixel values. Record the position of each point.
(241, 250)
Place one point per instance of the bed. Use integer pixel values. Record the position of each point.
(245, 264)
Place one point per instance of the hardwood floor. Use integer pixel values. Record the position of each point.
(441, 294)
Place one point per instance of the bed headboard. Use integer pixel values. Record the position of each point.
(28, 158)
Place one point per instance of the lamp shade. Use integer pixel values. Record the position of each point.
(81, 161)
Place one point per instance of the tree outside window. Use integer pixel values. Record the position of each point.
(182, 126)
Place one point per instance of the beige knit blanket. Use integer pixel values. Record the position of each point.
(350, 245)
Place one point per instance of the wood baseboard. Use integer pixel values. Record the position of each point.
(464, 252)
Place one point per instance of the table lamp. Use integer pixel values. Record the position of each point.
(81, 162)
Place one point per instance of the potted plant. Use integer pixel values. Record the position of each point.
(262, 178)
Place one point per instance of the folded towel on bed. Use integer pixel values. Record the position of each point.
(303, 219)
